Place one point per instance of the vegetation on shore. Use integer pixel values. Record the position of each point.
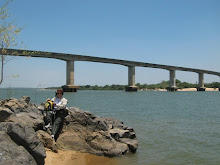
(162, 85)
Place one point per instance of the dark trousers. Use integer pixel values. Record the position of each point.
(56, 120)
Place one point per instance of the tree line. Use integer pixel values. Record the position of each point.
(162, 85)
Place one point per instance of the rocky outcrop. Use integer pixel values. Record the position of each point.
(86, 132)
(21, 111)
(19, 143)
(23, 137)
(11, 153)
(21, 129)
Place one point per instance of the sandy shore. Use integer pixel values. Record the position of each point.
(77, 158)
(185, 89)
(194, 89)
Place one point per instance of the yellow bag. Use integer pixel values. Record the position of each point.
(49, 105)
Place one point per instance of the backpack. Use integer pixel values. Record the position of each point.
(49, 105)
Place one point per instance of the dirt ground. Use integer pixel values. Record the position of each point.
(76, 158)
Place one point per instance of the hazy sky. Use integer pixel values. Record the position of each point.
(171, 32)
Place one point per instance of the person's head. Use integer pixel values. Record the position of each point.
(59, 93)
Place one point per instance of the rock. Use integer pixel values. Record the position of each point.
(117, 150)
(14, 105)
(23, 105)
(93, 123)
(21, 122)
(74, 141)
(13, 154)
(25, 136)
(86, 132)
(30, 119)
(132, 144)
(26, 99)
(109, 147)
(47, 141)
(119, 133)
(4, 113)
(114, 122)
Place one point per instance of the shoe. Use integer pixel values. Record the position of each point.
(52, 136)
(47, 126)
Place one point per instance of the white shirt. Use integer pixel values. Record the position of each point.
(60, 103)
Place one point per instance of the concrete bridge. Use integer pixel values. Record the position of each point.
(71, 58)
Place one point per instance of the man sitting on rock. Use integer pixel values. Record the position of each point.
(56, 116)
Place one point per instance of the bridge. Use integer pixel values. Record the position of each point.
(71, 58)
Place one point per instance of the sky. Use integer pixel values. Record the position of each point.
(182, 33)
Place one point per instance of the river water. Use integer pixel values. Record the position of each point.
(172, 127)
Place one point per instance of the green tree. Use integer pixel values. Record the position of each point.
(9, 32)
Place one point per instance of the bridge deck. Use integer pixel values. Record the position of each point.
(74, 57)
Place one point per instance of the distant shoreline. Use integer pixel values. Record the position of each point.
(180, 90)
(157, 89)
(183, 86)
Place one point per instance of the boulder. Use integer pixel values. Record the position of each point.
(132, 144)
(47, 141)
(22, 105)
(31, 119)
(13, 154)
(14, 105)
(27, 138)
(119, 133)
(25, 99)
(108, 146)
(86, 132)
(86, 119)
(4, 113)
(22, 124)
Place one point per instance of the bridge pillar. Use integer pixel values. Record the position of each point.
(172, 86)
(201, 82)
(70, 87)
(131, 80)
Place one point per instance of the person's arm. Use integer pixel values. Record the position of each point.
(62, 104)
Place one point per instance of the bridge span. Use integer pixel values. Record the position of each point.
(71, 58)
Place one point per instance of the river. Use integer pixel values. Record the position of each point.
(172, 127)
